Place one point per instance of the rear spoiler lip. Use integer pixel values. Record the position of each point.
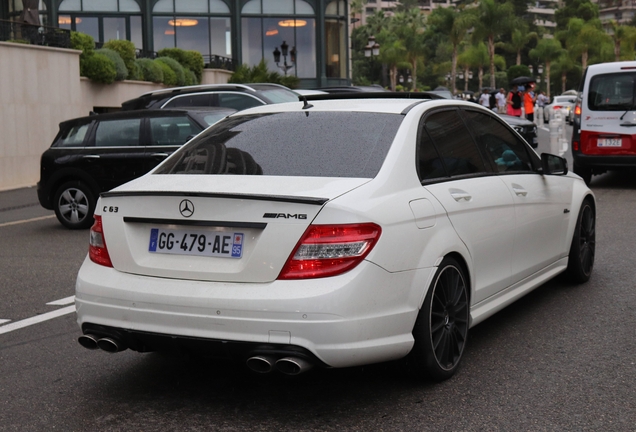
(277, 198)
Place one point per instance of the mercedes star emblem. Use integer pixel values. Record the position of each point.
(186, 208)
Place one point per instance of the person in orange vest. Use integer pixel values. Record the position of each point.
(528, 101)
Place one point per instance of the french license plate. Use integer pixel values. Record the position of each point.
(609, 142)
(225, 244)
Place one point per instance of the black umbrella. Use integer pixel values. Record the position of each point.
(522, 80)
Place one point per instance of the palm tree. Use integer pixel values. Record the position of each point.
(581, 37)
(476, 56)
(492, 20)
(392, 53)
(454, 24)
(622, 34)
(519, 39)
(409, 28)
(564, 64)
(547, 51)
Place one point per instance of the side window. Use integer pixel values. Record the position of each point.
(118, 133)
(504, 150)
(238, 101)
(456, 147)
(171, 130)
(198, 100)
(73, 136)
(429, 163)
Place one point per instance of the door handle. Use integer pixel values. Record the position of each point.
(520, 191)
(159, 155)
(90, 157)
(459, 195)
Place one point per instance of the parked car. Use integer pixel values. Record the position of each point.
(333, 233)
(603, 137)
(94, 154)
(235, 96)
(524, 127)
(560, 102)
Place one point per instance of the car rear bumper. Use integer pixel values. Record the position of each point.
(603, 162)
(361, 317)
(44, 197)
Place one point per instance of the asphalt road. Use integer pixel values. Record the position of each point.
(562, 358)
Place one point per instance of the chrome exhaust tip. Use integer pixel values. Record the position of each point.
(88, 341)
(293, 365)
(260, 364)
(110, 345)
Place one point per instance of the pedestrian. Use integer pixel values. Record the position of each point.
(514, 101)
(484, 99)
(500, 97)
(528, 101)
(542, 99)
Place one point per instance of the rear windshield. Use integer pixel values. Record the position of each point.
(314, 144)
(612, 92)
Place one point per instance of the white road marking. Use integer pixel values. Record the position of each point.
(62, 302)
(36, 319)
(26, 220)
(2, 321)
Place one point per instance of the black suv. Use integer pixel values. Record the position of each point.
(236, 96)
(93, 154)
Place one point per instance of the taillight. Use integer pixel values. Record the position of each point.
(575, 145)
(556, 107)
(577, 110)
(97, 250)
(330, 250)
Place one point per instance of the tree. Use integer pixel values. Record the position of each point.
(581, 37)
(582, 9)
(622, 35)
(476, 56)
(547, 51)
(519, 39)
(392, 53)
(563, 65)
(409, 28)
(492, 20)
(454, 24)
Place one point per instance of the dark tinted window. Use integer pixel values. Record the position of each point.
(171, 130)
(73, 136)
(456, 146)
(430, 165)
(118, 133)
(502, 147)
(317, 144)
(612, 92)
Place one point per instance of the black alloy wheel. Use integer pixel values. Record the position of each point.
(74, 205)
(583, 248)
(441, 329)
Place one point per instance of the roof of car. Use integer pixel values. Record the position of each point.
(148, 113)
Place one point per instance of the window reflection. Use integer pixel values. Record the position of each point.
(114, 28)
(335, 48)
(88, 25)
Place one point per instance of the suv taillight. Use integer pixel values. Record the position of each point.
(577, 110)
(330, 250)
(97, 250)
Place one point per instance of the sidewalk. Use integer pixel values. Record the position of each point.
(20, 204)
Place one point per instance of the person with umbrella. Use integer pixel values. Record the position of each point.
(514, 101)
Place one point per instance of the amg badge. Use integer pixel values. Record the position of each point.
(284, 216)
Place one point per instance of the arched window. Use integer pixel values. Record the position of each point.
(199, 25)
(103, 19)
(283, 30)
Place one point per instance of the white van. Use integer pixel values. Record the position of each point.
(604, 136)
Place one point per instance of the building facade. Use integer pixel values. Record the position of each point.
(232, 32)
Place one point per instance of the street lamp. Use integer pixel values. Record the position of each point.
(540, 69)
(372, 48)
(284, 51)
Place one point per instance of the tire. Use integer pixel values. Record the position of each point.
(582, 250)
(585, 173)
(74, 205)
(441, 328)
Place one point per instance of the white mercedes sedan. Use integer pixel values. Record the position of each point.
(340, 231)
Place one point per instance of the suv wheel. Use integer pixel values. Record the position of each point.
(74, 205)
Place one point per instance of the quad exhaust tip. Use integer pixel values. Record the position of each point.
(261, 364)
(93, 342)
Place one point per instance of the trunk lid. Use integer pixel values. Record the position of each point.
(208, 227)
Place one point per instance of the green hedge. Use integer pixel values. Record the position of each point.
(149, 70)
(99, 68)
(260, 74)
(176, 67)
(120, 67)
(126, 49)
(84, 43)
(190, 60)
(169, 76)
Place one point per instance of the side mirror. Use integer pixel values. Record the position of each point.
(553, 165)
